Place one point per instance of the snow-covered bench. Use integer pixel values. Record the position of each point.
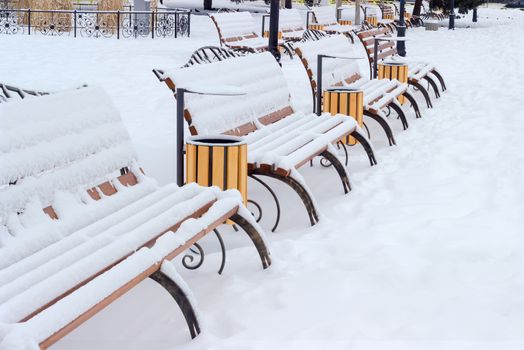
(80, 224)
(291, 24)
(237, 30)
(378, 94)
(387, 52)
(279, 139)
(325, 19)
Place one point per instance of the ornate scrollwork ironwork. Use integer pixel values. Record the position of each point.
(135, 25)
(9, 23)
(92, 26)
(195, 258)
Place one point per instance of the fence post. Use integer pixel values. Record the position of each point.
(118, 24)
(74, 23)
(188, 23)
(152, 24)
(29, 21)
(177, 14)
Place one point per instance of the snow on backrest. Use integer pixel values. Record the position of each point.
(258, 75)
(333, 70)
(325, 14)
(348, 13)
(57, 142)
(373, 10)
(290, 19)
(234, 24)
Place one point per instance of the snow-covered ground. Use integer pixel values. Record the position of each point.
(424, 253)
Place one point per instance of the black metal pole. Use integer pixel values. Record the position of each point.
(452, 15)
(375, 58)
(273, 29)
(180, 136)
(318, 104)
(401, 30)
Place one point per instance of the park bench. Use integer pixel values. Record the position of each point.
(324, 18)
(80, 223)
(279, 139)
(237, 31)
(387, 52)
(342, 70)
(291, 24)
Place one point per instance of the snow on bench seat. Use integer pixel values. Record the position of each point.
(75, 208)
(266, 92)
(291, 24)
(346, 71)
(238, 29)
(327, 16)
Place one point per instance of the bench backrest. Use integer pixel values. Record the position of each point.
(267, 97)
(386, 49)
(290, 20)
(234, 26)
(334, 71)
(66, 145)
(373, 10)
(325, 15)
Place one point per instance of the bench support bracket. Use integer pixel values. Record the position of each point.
(181, 299)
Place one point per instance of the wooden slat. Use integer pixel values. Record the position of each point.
(129, 285)
(175, 227)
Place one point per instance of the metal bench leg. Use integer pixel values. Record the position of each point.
(361, 138)
(240, 219)
(384, 124)
(181, 299)
(423, 90)
(433, 85)
(275, 198)
(440, 79)
(414, 104)
(298, 188)
(400, 113)
(341, 170)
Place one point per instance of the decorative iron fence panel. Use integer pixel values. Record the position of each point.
(96, 24)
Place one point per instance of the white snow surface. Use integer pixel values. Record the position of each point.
(424, 253)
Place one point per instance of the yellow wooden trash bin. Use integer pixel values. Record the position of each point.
(373, 20)
(266, 34)
(345, 101)
(388, 16)
(394, 70)
(317, 26)
(345, 22)
(219, 160)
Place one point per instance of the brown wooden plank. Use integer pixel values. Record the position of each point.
(196, 214)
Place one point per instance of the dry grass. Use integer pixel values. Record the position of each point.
(44, 19)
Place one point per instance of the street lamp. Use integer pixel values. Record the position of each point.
(273, 29)
(401, 30)
(179, 141)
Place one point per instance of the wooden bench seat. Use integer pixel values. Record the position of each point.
(237, 31)
(291, 24)
(325, 19)
(80, 224)
(378, 94)
(279, 139)
(417, 71)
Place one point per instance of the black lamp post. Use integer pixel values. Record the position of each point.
(273, 29)
(452, 14)
(179, 143)
(401, 30)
